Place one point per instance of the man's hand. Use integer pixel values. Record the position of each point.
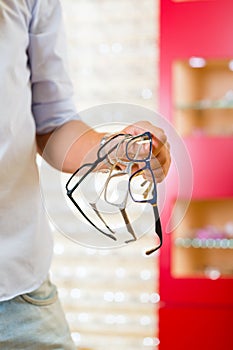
(75, 143)
(161, 160)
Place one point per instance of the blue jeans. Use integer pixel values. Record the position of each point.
(34, 321)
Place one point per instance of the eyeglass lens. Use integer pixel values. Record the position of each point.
(117, 188)
(141, 186)
(139, 148)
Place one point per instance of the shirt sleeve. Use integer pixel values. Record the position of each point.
(52, 90)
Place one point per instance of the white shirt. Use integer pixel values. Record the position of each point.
(35, 96)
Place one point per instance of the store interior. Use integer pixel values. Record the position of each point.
(174, 58)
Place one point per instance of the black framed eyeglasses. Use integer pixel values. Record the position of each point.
(136, 186)
(86, 169)
(122, 151)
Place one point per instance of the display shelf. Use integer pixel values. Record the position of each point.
(203, 242)
(203, 96)
(196, 95)
(203, 105)
(202, 263)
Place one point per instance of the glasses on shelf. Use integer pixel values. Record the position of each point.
(123, 153)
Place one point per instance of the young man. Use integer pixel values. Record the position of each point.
(35, 104)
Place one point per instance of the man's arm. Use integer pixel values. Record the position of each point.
(74, 143)
(69, 145)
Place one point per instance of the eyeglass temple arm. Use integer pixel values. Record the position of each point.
(158, 230)
(94, 207)
(86, 217)
(128, 225)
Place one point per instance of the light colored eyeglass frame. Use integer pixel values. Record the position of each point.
(121, 161)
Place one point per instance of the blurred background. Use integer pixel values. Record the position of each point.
(110, 296)
(175, 57)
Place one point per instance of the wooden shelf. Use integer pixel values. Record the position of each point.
(204, 105)
(203, 242)
(203, 97)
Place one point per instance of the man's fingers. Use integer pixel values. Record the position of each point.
(161, 156)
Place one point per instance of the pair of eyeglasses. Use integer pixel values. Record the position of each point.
(138, 194)
(115, 190)
(116, 186)
(136, 150)
(86, 169)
